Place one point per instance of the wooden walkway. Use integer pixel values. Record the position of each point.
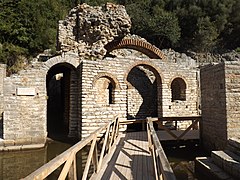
(190, 135)
(130, 155)
(130, 159)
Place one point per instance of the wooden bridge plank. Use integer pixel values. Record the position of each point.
(139, 166)
(124, 162)
(130, 160)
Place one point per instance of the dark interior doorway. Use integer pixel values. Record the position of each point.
(58, 103)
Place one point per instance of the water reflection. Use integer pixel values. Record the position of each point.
(17, 165)
(181, 159)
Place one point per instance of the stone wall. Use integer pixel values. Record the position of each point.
(117, 70)
(214, 118)
(2, 76)
(232, 81)
(88, 101)
(25, 104)
(220, 104)
(24, 117)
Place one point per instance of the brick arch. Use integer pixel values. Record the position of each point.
(178, 89)
(144, 97)
(108, 76)
(176, 77)
(73, 61)
(151, 66)
(67, 66)
(146, 48)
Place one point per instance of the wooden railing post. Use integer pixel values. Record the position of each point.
(116, 129)
(68, 157)
(86, 169)
(112, 134)
(103, 148)
(161, 165)
(67, 166)
(72, 175)
(95, 158)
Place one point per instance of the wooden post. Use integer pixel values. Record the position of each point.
(103, 148)
(112, 135)
(72, 175)
(188, 129)
(66, 167)
(95, 158)
(85, 173)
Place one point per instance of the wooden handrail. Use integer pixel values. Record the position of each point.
(162, 168)
(68, 157)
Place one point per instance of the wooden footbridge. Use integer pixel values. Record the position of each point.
(113, 155)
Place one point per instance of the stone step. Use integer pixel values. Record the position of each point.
(204, 166)
(228, 161)
(234, 145)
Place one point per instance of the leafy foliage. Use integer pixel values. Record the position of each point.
(27, 27)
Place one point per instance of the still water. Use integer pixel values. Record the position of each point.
(17, 165)
(181, 159)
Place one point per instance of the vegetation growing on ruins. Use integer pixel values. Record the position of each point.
(27, 27)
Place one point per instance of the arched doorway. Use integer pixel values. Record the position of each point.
(58, 102)
(144, 94)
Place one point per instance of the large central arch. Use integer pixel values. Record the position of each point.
(136, 44)
(144, 91)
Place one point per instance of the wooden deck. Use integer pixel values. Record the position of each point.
(190, 135)
(130, 159)
(130, 155)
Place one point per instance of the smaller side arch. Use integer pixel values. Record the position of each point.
(112, 78)
(178, 89)
(175, 77)
(105, 87)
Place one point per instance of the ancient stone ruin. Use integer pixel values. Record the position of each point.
(88, 29)
(103, 71)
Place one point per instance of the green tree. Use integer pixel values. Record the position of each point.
(27, 27)
(206, 35)
(230, 36)
(151, 21)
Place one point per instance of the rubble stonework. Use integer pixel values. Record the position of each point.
(140, 86)
(95, 89)
(88, 29)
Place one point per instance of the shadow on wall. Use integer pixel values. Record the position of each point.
(142, 94)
